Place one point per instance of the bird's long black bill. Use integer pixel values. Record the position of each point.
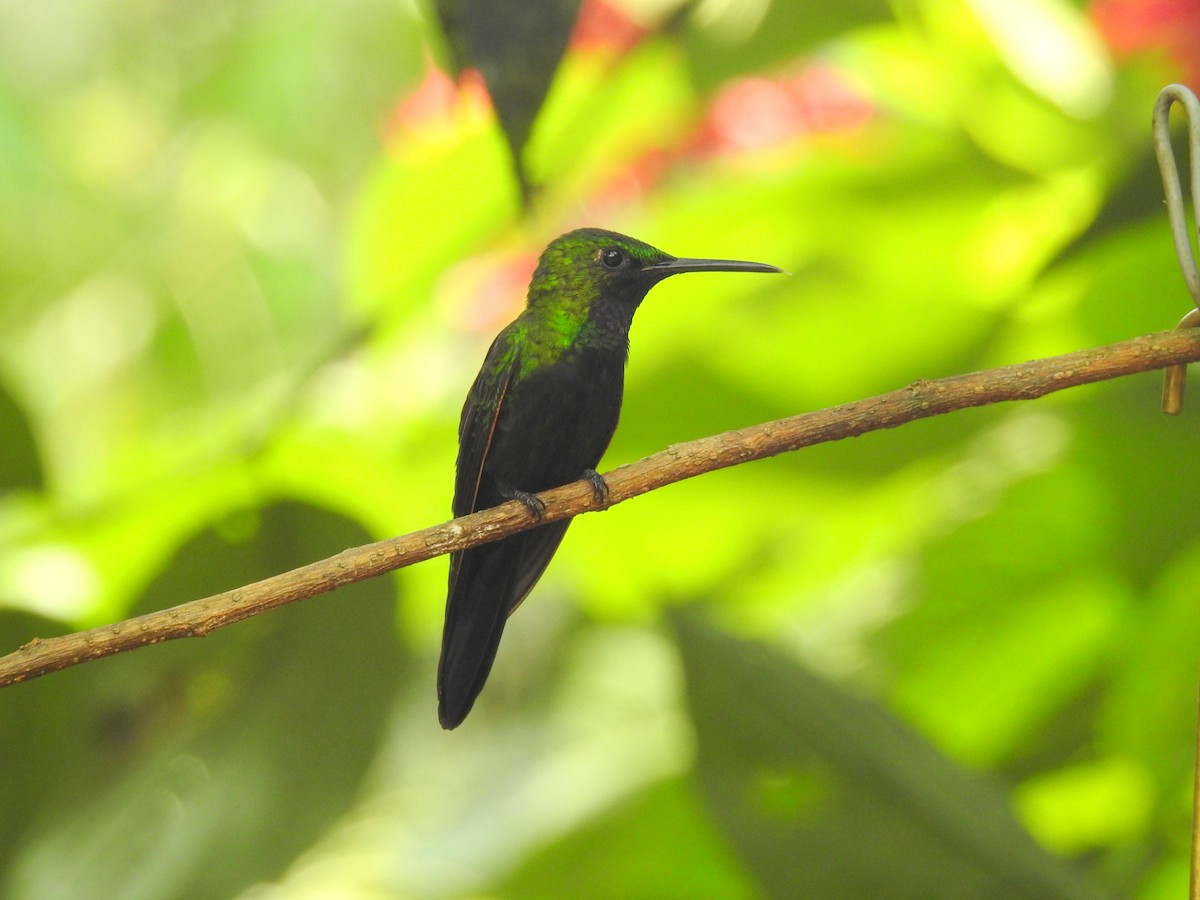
(683, 264)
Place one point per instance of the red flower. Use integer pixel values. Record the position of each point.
(1135, 26)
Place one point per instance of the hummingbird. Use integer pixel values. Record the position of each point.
(540, 414)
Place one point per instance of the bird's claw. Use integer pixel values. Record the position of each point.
(599, 485)
(530, 501)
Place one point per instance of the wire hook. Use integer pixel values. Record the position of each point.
(1173, 383)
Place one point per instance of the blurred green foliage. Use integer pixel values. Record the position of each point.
(251, 255)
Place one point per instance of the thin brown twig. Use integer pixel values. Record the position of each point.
(922, 399)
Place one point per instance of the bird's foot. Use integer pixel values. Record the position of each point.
(599, 485)
(531, 502)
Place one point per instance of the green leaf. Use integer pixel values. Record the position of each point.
(242, 748)
(825, 794)
(785, 31)
(455, 183)
(1018, 606)
(20, 464)
(656, 844)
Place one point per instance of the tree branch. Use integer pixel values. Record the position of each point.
(922, 399)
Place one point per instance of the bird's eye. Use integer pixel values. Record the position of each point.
(612, 257)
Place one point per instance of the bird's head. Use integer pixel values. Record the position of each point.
(591, 267)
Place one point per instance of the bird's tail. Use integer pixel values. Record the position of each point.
(476, 609)
(486, 584)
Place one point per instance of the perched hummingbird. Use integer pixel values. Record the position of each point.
(540, 414)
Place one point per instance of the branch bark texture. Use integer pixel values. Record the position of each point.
(922, 399)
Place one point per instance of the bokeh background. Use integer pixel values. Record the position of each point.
(251, 255)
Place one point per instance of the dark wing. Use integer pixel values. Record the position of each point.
(539, 548)
(477, 427)
(482, 578)
(487, 582)
(529, 556)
